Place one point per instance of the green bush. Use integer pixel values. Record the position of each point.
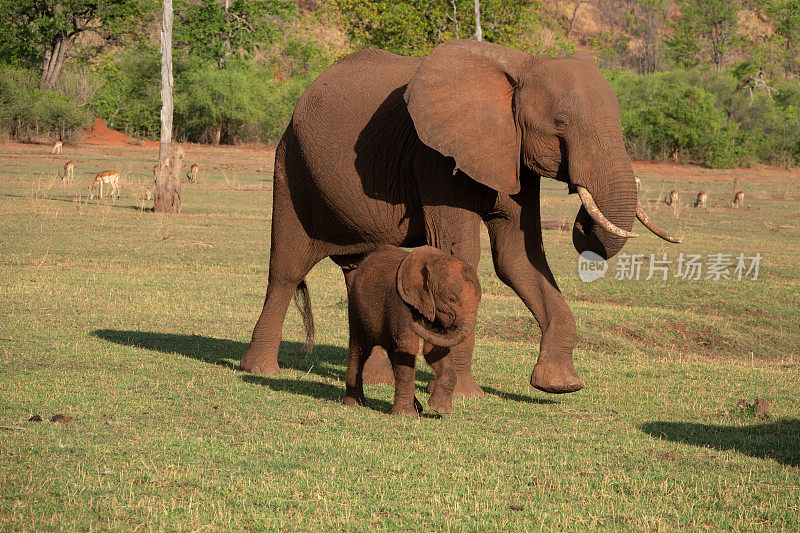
(770, 125)
(213, 105)
(702, 116)
(130, 98)
(238, 104)
(245, 102)
(666, 115)
(27, 112)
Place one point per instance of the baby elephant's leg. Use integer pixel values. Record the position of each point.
(403, 361)
(441, 361)
(353, 377)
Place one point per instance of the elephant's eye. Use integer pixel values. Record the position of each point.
(560, 122)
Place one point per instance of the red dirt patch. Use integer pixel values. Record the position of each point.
(691, 173)
(99, 133)
(669, 333)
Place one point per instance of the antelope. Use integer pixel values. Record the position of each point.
(57, 147)
(638, 183)
(69, 172)
(702, 197)
(107, 176)
(192, 175)
(738, 200)
(672, 198)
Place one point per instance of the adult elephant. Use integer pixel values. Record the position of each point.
(386, 149)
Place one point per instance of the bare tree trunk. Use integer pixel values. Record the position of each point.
(168, 182)
(574, 16)
(217, 134)
(54, 62)
(455, 19)
(478, 30)
(227, 52)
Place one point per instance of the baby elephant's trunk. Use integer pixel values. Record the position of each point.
(303, 302)
(446, 340)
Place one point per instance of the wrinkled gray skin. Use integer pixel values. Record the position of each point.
(385, 149)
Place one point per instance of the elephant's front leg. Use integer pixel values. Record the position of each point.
(404, 357)
(466, 386)
(441, 361)
(519, 261)
(457, 231)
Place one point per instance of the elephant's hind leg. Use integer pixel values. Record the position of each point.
(357, 354)
(377, 369)
(261, 356)
(292, 255)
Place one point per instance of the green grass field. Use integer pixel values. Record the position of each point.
(133, 323)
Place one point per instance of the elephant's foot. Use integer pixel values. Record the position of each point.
(555, 378)
(466, 387)
(413, 410)
(378, 369)
(256, 362)
(441, 402)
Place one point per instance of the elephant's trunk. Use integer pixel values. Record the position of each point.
(597, 215)
(451, 337)
(608, 209)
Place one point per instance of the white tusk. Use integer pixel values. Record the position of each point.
(597, 215)
(652, 226)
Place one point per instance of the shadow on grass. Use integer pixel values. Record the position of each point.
(72, 199)
(517, 397)
(323, 391)
(779, 440)
(326, 361)
(228, 353)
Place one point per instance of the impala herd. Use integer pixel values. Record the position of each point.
(112, 177)
(673, 198)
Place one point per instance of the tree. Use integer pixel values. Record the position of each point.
(478, 30)
(714, 21)
(454, 19)
(168, 178)
(222, 37)
(650, 16)
(574, 17)
(44, 31)
(215, 32)
(414, 27)
(785, 16)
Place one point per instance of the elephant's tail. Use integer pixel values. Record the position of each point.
(303, 302)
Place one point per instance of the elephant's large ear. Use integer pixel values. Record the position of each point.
(461, 102)
(412, 281)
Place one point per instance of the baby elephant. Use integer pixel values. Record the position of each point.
(394, 298)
